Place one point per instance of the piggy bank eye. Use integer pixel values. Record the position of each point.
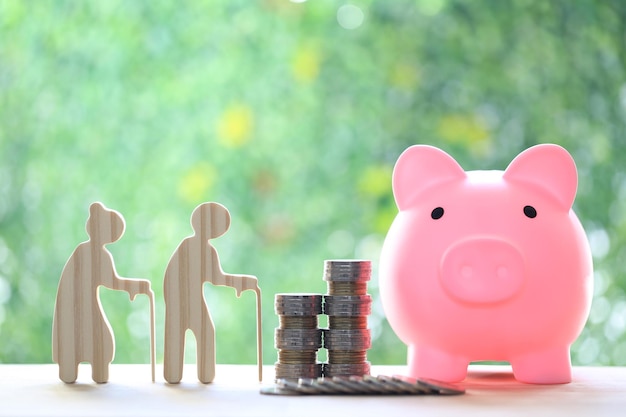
(530, 212)
(437, 213)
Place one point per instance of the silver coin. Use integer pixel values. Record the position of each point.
(302, 385)
(297, 339)
(347, 288)
(426, 389)
(351, 369)
(400, 386)
(354, 339)
(295, 371)
(347, 356)
(431, 386)
(347, 305)
(298, 322)
(442, 388)
(347, 270)
(361, 276)
(347, 323)
(348, 264)
(313, 385)
(298, 304)
(367, 384)
(379, 385)
(360, 385)
(355, 382)
(410, 384)
(334, 386)
(297, 356)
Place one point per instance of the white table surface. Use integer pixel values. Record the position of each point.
(35, 390)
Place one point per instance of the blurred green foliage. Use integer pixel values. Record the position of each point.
(292, 115)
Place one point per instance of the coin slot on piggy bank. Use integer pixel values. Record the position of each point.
(486, 265)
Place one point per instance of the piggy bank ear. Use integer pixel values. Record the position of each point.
(420, 167)
(548, 167)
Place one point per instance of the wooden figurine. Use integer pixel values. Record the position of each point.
(195, 262)
(80, 330)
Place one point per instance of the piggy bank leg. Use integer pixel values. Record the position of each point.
(552, 366)
(433, 363)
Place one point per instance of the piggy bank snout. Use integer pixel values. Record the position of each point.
(482, 270)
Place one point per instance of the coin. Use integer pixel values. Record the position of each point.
(347, 270)
(297, 356)
(442, 388)
(348, 265)
(297, 322)
(353, 339)
(347, 305)
(347, 356)
(361, 385)
(347, 288)
(298, 339)
(347, 339)
(346, 369)
(347, 323)
(295, 371)
(333, 386)
(303, 304)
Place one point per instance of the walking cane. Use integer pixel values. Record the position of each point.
(150, 294)
(259, 332)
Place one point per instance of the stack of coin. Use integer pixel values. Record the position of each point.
(298, 337)
(347, 305)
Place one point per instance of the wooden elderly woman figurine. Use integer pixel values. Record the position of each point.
(195, 262)
(80, 330)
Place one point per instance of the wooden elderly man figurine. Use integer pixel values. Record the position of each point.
(80, 330)
(195, 262)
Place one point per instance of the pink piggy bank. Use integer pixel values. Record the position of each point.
(486, 265)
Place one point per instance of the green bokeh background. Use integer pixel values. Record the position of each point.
(291, 114)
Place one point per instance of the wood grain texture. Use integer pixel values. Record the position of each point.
(80, 329)
(490, 391)
(194, 262)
